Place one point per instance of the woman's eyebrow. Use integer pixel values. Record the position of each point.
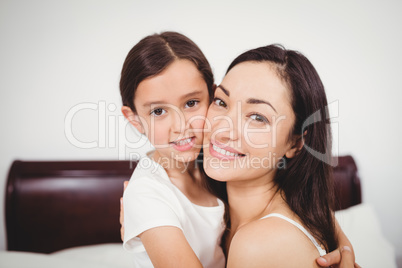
(258, 101)
(251, 100)
(227, 93)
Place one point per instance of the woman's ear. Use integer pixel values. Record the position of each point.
(298, 143)
(133, 118)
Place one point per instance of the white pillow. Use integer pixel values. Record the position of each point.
(112, 255)
(362, 227)
(18, 259)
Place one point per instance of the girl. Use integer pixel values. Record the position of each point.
(173, 218)
(278, 192)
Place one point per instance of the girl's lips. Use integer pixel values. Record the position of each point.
(184, 144)
(223, 152)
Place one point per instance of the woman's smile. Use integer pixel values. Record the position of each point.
(222, 151)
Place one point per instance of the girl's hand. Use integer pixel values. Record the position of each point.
(122, 213)
(343, 257)
(339, 258)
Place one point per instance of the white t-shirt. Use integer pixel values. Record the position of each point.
(151, 200)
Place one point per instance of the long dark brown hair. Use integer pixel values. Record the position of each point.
(306, 179)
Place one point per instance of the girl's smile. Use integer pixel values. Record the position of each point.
(183, 144)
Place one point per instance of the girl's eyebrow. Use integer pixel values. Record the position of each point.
(250, 100)
(150, 103)
(186, 96)
(191, 94)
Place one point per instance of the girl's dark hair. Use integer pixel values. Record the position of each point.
(306, 180)
(155, 53)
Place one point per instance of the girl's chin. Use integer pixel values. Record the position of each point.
(188, 156)
(183, 157)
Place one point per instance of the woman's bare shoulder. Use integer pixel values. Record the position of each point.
(271, 242)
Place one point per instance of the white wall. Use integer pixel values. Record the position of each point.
(55, 55)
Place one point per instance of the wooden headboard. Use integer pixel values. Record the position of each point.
(56, 205)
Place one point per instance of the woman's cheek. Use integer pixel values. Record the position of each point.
(256, 137)
(255, 141)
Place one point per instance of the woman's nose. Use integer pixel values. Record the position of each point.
(227, 127)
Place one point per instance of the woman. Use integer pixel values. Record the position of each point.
(147, 79)
(269, 108)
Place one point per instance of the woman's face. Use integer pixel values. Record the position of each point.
(248, 124)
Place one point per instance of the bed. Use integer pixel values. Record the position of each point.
(66, 213)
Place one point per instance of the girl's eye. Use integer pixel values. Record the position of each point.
(158, 112)
(191, 103)
(259, 118)
(220, 102)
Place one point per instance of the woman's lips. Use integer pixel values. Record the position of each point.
(224, 152)
(184, 144)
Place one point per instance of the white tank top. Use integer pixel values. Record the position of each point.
(320, 250)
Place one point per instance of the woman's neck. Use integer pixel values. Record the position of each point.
(249, 201)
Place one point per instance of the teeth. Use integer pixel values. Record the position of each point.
(184, 142)
(223, 151)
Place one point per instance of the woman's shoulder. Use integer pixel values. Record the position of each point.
(271, 242)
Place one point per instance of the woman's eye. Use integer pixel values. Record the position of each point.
(219, 102)
(158, 112)
(191, 103)
(259, 118)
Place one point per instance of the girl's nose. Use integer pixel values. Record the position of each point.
(178, 121)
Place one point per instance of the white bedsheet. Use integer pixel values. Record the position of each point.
(13, 259)
(359, 223)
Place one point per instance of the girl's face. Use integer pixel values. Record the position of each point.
(171, 109)
(248, 124)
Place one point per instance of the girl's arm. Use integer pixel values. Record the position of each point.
(122, 213)
(166, 246)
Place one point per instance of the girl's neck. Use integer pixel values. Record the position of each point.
(187, 177)
(174, 169)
